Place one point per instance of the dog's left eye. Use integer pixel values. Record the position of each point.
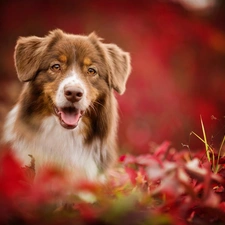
(91, 71)
(56, 67)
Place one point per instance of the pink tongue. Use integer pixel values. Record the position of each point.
(70, 118)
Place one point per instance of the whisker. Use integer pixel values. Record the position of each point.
(93, 108)
(100, 104)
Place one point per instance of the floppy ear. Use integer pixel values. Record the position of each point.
(119, 64)
(27, 55)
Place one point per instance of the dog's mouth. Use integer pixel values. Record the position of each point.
(68, 116)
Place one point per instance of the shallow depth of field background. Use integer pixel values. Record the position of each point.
(178, 61)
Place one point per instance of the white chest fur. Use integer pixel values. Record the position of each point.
(54, 145)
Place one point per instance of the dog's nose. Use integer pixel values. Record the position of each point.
(73, 93)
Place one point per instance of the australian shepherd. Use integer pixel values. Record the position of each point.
(66, 114)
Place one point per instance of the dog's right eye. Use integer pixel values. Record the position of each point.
(56, 68)
(92, 71)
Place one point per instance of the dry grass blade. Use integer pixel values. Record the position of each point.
(207, 147)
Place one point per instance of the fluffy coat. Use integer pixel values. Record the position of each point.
(66, 115)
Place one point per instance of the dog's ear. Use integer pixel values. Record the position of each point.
(119, 65)
(27, 55)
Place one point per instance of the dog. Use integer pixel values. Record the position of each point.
(66, 114)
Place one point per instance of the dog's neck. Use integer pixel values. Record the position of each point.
(54, 145)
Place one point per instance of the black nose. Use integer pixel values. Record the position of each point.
(73, 93)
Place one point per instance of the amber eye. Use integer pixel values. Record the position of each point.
(92, 71)
(56, 68)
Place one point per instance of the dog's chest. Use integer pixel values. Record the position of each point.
(53, 145)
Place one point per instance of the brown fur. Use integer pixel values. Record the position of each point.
(34, 58)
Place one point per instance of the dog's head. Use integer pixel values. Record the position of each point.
(70, 72)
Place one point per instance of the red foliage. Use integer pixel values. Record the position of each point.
(11, 177)
(175, 186)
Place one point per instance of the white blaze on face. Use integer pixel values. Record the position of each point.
(72, 79)
(70, 112)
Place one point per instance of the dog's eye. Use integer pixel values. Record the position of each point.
(91, 71)
(56, 67)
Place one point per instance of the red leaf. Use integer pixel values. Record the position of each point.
(162, 149)
(88, 186)
(132, 174)
(11, 176)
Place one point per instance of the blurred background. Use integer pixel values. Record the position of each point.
(178, 60)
